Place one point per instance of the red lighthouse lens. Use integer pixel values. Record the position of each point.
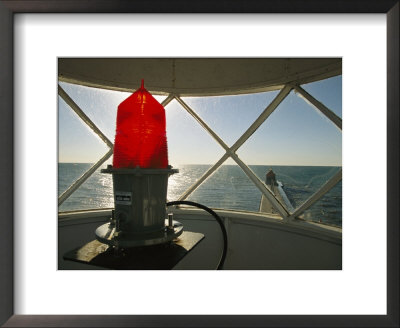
(140, 138)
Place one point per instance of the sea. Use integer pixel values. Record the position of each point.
(228, 188)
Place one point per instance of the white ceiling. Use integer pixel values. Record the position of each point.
(196, 76)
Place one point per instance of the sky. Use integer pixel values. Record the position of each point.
(294, 134)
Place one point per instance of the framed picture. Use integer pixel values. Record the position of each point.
(14, 199)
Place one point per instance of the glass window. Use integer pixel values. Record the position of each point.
(230, 116)
(328, 209)
(300, 145)
(96, 192)
(188, 142)
(77, 143)
(229, 188)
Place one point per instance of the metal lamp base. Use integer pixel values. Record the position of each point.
(106, 234)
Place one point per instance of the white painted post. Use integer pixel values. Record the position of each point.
(202, 123)
(263, 116)
(317, 195)
(319, 106)
(83, 116)
(167, 100)
(262, 187)
(83, 178)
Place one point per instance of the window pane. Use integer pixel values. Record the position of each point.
(230, 116)
(68, 173)
(96, 192)
(77, 143)
(188, 174)
(188, 142)
(328, 209)
(229, 188)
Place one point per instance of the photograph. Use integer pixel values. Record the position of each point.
(200, 163)
(211, 164)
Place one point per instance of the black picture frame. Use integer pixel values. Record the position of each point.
(10, 7)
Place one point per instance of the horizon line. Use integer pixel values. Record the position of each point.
(224, 164)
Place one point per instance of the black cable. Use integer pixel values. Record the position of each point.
(219, 220)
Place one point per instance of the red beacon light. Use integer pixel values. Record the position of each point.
(140, 138)
(140, 176)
